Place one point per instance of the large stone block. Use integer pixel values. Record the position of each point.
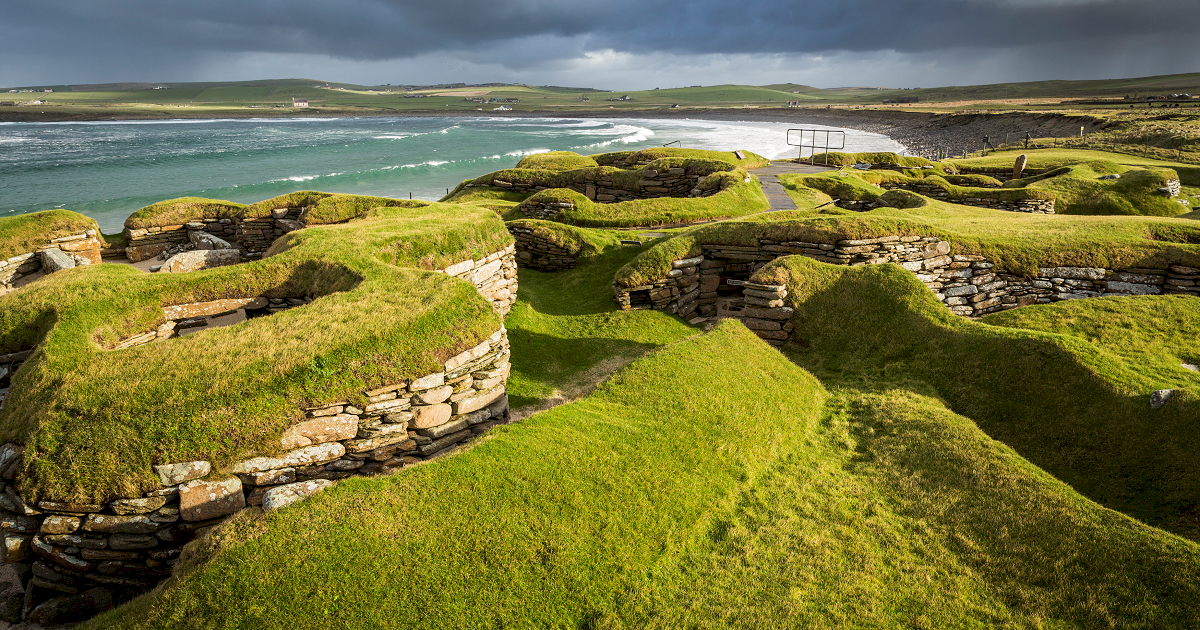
(200, 259)
(203, 500)
(109, 524)
(54, 259)
(281, 496)
(476, 402)
(427, 416)
(145, 252)
(320, 430)
(306, 456)
(172, 474)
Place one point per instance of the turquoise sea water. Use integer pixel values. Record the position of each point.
(107, 170)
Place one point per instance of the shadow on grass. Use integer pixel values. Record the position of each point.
(1059, 401)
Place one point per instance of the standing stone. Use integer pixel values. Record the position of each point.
(55, 259)
(203, 500)
(1019, 167)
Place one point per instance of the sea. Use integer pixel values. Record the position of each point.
(108, 170)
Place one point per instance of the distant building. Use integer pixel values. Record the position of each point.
(620, 98)
(299, 102)
(502, 108)
(908, 99)
(793, 104)
(47, 90)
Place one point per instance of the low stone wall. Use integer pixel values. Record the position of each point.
(969, 285)
(73, 557)
(59, 253)
(1036, 206)
(495, 276)
(252, 236)
(1003, 174)
(184, 317)
(538, 253)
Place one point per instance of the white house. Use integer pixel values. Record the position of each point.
(299, 102)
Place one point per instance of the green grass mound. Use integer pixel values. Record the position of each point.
(1017, 242)
(578, 242)
(291, 201)
(1079, 190)
(557, 161)
(850, 159)
(645, 156)
(94, 421)
(731, 193)
(1068, 401)
(182, 210)
(552, 522)
(975, 181)
(24, 233)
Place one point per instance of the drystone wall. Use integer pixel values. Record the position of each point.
(495, 276)
(60, 253)
(981, 200)
(970, 285)
(252, 236)
(535, 252)
(80, 558)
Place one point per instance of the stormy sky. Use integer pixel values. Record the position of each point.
(612, 44)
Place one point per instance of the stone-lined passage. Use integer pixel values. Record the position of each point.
(535, 252)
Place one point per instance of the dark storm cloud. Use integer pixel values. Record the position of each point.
(159, 35)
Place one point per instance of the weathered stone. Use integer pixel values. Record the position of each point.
(72, 508)
(433, 396)
(269, 477)
(1073, 273)
(427, 416)
(186, 262)
(108, 524)
(55, 259)
(1134, 288)
(1159, 397)
(319, 431)
(10, 460)
(436, 446)
(56, 524)
(474, 402)
(72, 608)
(307, 456)
(139, 253)
(137, 506)
(427, 382)
(204, 241)
(174, 474)
(59, 556)
(132, 541)
(969, 289)
(203, 500)
(18, 523)
(371, 444)
(281, 496)
(16, 548)
(380, 430)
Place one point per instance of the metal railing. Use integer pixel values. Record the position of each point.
(678, 142)
(808, 140)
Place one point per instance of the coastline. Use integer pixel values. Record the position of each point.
(922, 133)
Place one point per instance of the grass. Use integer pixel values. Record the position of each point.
(692, 490)
(324, 208)
(26, 232)
(1067, 403)
(94, 420)
(557, 161)
(547, 523)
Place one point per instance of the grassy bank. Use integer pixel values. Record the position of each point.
(26, 232)
(549, 523)
(94, 420)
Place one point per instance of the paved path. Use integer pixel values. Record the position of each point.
(769, 176)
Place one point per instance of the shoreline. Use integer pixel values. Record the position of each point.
(921, 133)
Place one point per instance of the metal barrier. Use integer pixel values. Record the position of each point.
(812, 145)
(678, 142)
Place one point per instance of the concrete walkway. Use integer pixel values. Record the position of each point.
(773, 189)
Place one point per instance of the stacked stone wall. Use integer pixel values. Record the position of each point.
(59, 253)
(534, 252)
(969, 285)
(252, 236)
(70, 556)
(495, 276)
(982, 200)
